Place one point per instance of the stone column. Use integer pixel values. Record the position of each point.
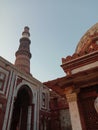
(29, 118)
(74, 111)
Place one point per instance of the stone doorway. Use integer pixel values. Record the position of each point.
(22, 110)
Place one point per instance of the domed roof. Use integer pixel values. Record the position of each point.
(86, 41)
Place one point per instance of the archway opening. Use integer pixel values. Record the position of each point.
(20, 110)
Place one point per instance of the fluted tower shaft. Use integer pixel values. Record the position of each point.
(23, 54)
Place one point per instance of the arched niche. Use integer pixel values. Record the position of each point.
(22, 109)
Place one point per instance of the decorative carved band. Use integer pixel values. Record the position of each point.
(71, 97)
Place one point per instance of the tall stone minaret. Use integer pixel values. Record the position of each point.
(23, 54)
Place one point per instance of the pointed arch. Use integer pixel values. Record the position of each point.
(23, 108)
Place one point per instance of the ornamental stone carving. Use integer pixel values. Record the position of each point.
(71, 97)
(87, 38)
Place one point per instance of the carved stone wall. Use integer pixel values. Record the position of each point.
(89, 114)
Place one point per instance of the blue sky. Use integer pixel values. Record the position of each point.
(56, 27)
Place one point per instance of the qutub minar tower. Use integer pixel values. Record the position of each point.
(23, 54)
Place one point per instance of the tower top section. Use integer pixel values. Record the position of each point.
(26, 33)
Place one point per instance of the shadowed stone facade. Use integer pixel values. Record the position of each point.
(66, 103)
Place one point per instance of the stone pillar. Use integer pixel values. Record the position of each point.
(74, 111)
(29, 118)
